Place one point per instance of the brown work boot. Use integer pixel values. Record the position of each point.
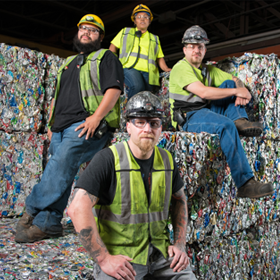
(255, 189)
(247, 128)
(25, 222)
(33, 234)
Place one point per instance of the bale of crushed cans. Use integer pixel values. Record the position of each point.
(27, 82)
(227, 237)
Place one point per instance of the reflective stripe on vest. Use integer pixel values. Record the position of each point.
(91, 91)
(94, 77)
(191, 97)
(129, 224)
(124, 218)
(127, 43)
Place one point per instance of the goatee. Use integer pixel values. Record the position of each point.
(86, 47)
(146, 145)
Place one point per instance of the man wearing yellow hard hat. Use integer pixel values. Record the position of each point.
(85, 110)
(139, 52)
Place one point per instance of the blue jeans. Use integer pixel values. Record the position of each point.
(49, 197)
(218, 119)
(136, 81)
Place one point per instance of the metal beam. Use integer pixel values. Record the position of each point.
(245, 43)
(225, 30)
(28, 18)
(68, 7)
(272, 10)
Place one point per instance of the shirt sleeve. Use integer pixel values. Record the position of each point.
(111, 72)
(219, 76)
(117, 40)
(99, 177)
(181, 75)
(177, 182)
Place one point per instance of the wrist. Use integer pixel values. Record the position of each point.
(96, 117)
(102, 259)
(180, 245)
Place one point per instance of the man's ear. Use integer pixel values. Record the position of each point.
(101, 37)
(184, 50)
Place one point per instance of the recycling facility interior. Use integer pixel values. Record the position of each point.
(227, 237)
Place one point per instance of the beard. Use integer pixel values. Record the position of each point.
(146, 145)
(86, 47)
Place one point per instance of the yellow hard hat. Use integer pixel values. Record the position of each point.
(92, 19)
(141, 8)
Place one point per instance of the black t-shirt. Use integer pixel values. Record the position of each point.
(99, 178)
(69, 106)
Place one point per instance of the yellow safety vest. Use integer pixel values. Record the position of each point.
(127, 43)
(130, 223)
(90, 89)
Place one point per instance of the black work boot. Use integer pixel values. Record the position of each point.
(33, 234)
(247, 128)
(25, 222)
(255, 189)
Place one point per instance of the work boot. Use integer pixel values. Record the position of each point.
(33, 234)
(247, 128)
(255, 189)
(25, 222)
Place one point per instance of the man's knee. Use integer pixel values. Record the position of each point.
(228, 84)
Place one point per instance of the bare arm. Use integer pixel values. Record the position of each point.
(179, 218)
(162, 64)
(108, 102)
(213, 93)
(82, 217)
(239, 84)
(113, 48)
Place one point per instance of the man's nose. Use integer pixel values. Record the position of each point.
(147, 127)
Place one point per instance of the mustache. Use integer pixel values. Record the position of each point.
(85, 36)
(147, 136)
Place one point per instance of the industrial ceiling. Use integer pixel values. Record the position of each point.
(231, 25)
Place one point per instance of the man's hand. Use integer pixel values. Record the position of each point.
(243, 93)
(181, 260)
(49, 134)
(241, 101)
(118, 267)
(89, 126)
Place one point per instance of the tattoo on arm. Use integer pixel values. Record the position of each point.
(238, 82)
(179, 217)
(92, 198)
(86, 235)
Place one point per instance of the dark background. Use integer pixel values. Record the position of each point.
(232, 26)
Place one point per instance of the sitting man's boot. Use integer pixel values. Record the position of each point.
(247, 128)
(255, 189)
(33, 234)
(25, 222)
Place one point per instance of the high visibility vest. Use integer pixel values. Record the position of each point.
(90, 89)
(130, 223)
(127, 43)
(185, 95)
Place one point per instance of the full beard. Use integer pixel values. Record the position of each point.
(86, 47)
